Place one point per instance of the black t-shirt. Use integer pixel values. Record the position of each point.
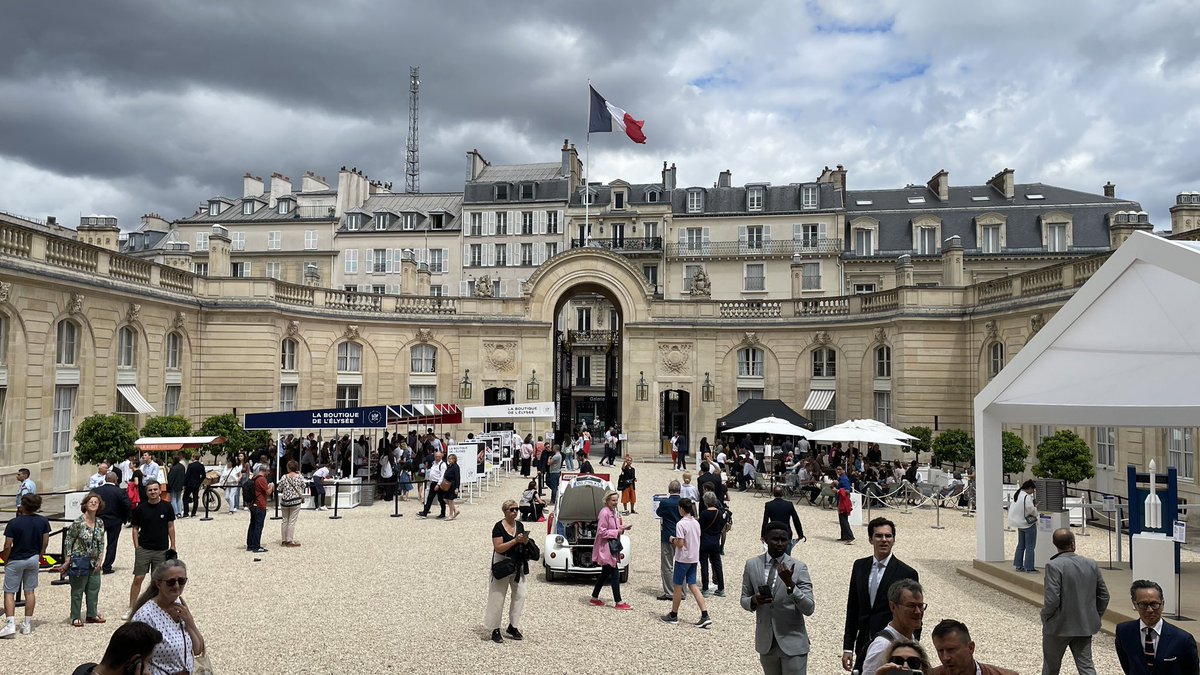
(84, 669)
(26, 532)
(517, 552)
(153, 521)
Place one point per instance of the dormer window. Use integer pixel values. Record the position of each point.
(808, 197)
(410, 221)
(695, 201)
(754, 199)
(589, 196)
(502, 192)
(437, 221)
(653, 196)
(526, 190)
(248, 208)
(381, 220)
(619, 199)
(285, 206)
(214, 208)
(353, 222)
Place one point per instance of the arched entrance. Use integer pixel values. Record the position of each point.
(675, 414)
(498, 396)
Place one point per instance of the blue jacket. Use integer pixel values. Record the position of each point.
(1176, 652)
(668, 510)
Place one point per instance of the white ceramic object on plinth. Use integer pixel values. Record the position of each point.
(856, 514)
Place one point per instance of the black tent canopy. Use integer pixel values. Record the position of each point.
(757, 408)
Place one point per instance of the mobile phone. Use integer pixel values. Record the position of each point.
(764, 590)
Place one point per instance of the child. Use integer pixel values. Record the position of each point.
(405, 481)
(687, 558)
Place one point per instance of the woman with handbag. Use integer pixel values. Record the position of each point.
(291, 499)
(627, 484)
(510, 563)
(85, 551)
(526, 455)
(449, 485)
(606, 551)
(1023, 516)
(162, 606)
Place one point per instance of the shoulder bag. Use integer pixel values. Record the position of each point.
(81, 565)
(292, 497)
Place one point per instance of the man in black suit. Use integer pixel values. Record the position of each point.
(780, 510)
(1151, 645)
(192, 482)
(706, 476)
(115, 514)
(867, 610)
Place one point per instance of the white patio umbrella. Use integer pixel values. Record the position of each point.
(880, 426)
(847, 432)
(770, 425)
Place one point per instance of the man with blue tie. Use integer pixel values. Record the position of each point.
(1150, 645)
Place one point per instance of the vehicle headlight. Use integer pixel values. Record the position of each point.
(559, 540)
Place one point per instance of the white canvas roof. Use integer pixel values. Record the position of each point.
(1123, 351)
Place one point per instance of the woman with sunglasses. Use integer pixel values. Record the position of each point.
(162, 606)
(905, 656)
(508, 541)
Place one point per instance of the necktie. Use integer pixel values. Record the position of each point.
(774, 568)
(1149, 649)
(876, 576)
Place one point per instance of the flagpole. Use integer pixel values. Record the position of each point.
(587, 169)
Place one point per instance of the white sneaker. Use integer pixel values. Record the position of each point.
(26, 628)
(9, 630)
(125, 616)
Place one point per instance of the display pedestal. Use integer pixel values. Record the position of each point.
(856, 514)
(1045, 537)
(347, 490)
(1154, 560)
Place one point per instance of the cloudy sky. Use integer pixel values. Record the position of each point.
(125, 107)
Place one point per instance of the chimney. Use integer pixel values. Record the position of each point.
(281, 185)
(904, 271)
(952, 261)
(475, 164)
(218, 252)
(100, 231)
(725, 179)
(837, 177)
(52, 221)
(564, 168)
(251, 186)
(1110, 190)
(940, 185)
(311, 182)
(1003, 183)
(408, 273)
(668, 177)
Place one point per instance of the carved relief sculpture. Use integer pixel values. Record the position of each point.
(750, 338)
(990, 330)
(483, 287)
(880, 335)
(293, 328)
(5, 288)
(1035, 324)
(134, 311)
(822, 338)
(76, 306)
(675, 356)
(180, 321)
(500, 355)
(700, 284)
(424, 334)
(352, 332)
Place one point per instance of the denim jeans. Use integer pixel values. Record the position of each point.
(1026, 544)
(552, 482)
(177, 502)
(258, 517)
(233, 498)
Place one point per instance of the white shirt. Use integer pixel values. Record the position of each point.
(126, 468)
(436, 472)
(174, 653)
(321, 473)
(721, 458)
(873, 661)
(1158, 629)
(151, 472)
(878, 567)
(96, 481)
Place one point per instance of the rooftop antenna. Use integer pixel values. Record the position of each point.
(412, 162)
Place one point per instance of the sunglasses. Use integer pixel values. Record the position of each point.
(511, 509)
(910, 661)
(178, 581)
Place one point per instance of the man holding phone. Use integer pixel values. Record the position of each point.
(778, 589)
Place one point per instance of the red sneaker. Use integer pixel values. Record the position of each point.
(623, 606)
(595, 602)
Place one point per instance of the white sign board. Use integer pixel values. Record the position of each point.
(1180, 532)
(506, 412)
(467, 456)
(1110, 503)
(1045, 524)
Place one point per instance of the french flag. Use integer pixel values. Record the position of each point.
(603, 116)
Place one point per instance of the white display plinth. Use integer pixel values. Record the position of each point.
(347, 490)
(1045, 550)
(1154, 560)
(856, 513)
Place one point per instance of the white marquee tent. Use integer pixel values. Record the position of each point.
(1123, 351)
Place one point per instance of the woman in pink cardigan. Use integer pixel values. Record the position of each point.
(608, 528)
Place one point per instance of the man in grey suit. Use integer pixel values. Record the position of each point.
(1075, 601)
(777, 588)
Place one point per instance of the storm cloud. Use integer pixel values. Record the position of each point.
(126, 107)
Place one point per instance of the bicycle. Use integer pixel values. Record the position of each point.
(211, 497)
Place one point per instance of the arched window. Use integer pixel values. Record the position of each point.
(126, 347)
(995, 359)
(174, 347)
(68, 343)
(287, 354)
(424, 359)
(750, 362)
(824, 362)
(883, 361)
(349, 358)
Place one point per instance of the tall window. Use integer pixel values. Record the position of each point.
(754, 236)
(275, 270)
(171, 402)
(475, 259)
(379, 260)
(695, 201)
(995, 359)
(750, 362)
(527, 222)
(437, 260)
(883, 406)
(424, 359)
(476, 225)
(754, 199)
(883, 361)
(1106, 446)
(287, 397)
(201, 241)
(68, 343)
(501, 255)
(744, 395)
(755, 279)
(174, 350)
(310, 240)
(239, 269)
(689, 272)
(650, 272)
(350, 261)
(349, 357)
(381, 221)
(64, 406)
(583, 371)
(927, 241)
(1181, 453)
(287, 354)
(422, 394)
(552, 222)
(239, 241)
(126, 347)
(864, 241)
(824, 361)
(274, 240)
(989, 239)
(527, 254)
(502, 222)
(694, 238)
(583, 318)
(551, 249)
(1056, 237)
(808, 197)
(348, 396)
(810, 279)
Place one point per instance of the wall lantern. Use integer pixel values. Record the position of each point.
(464, 387)
(643, 389)
(533, 390)
(706, 391)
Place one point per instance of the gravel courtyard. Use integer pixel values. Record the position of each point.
(374, 594)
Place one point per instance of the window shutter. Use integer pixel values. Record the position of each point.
(390, 258)
(364, 288)
(539, 253)
(393, 289)
(539, 222)
(741, 236)
(466, 255)
(797, 231)
(514, 223)
(514, 255)
(248, 272)
(822, 231)
(682, 236)
(502, 288)
(463, 289)
(489, 254)
(491, 224)
(766, 233)
(445, 260)
(562, 221)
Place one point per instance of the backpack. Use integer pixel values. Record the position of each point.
(727, 516)
(247, 486)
